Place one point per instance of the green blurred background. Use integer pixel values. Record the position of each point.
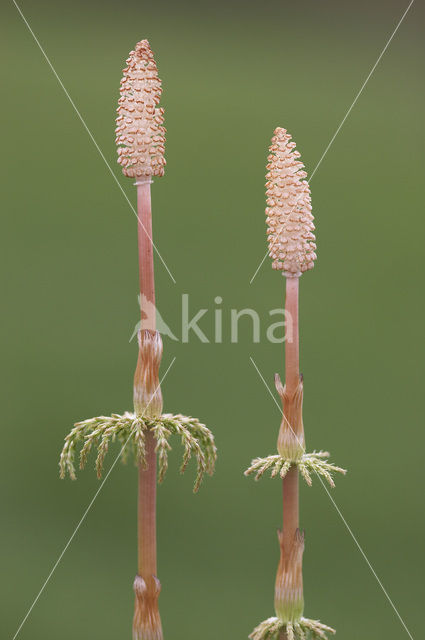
(231, 72)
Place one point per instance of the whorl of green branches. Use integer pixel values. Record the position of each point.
(130, 431)
(302, 629)
(308, 463)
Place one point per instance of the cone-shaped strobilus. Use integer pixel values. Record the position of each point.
(145, 430)
(292, 247)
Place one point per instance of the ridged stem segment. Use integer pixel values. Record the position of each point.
(145, 243)
(289, 602)
(147, 622)
(292, 349)
(292, 381)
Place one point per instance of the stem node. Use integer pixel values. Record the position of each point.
(146, 391)
(146, 621)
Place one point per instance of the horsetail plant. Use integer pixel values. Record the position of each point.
(146, 430)
(292, 247)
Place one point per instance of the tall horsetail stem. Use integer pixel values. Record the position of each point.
(140, 138)
(292, 247)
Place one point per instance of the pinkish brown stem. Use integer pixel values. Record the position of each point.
(292, 378)
(146, 624)
(289, 576)
(146, 519)
(292, 350)
(144, 234)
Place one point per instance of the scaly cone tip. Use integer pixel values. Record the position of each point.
(140, 132)
(289, 218)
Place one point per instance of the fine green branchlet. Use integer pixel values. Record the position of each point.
(308, 463)
(129, 430)
(304, 628)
